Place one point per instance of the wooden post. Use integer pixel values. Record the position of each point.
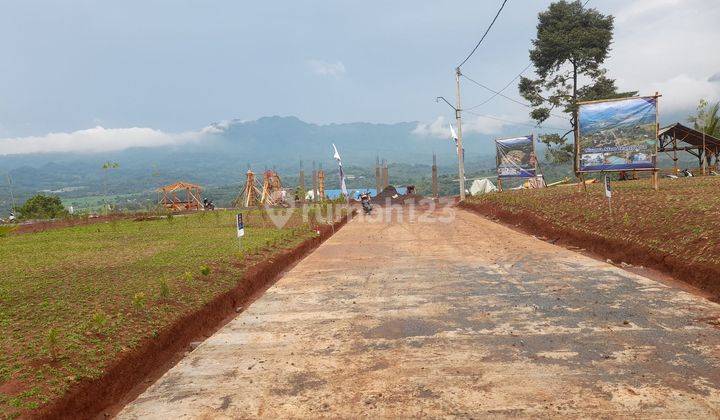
(435, 192)
(656, 180)
(704, 155)
(576, 163)
(385, 175)
(500, 188)
(675, 158)
(321, 184)
(378, 176)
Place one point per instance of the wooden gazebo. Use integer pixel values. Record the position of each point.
(702, 146)
(180, 196)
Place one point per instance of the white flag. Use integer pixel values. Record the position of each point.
(454, 136)
(343, 188)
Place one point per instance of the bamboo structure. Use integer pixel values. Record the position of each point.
(168, 196)
(697, 143)
(249, 196)
(271, 190)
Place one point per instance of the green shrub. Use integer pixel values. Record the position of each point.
(139, 300)
(99, 321)
(204, 270)
(53, 337)
(164, 289)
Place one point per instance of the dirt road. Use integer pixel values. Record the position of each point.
(466, 318)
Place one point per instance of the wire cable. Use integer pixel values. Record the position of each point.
(509, 98)
(514, 122)
(495, 94)
(501, 90)
(484, 35)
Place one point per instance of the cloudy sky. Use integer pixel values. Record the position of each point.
(108, 69)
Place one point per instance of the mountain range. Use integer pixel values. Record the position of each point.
(224, 153)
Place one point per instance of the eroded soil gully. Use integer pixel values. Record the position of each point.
(129, 376)
(703, 280)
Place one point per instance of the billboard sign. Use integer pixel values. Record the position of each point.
(617, 135)
(516, 157)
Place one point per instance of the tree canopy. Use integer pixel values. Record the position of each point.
(43, 207)
(571, 45)
(707, 118)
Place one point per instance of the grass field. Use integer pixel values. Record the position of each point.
(74, 299)
(682, 219)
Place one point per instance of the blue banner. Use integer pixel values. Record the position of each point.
(617, 135)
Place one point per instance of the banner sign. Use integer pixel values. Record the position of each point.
(617, 135)
(516, 157)
(240, 225)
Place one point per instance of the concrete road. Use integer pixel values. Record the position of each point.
(468, 318)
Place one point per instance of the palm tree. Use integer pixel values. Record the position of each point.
(707, 120)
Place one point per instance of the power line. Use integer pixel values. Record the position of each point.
(509, 98)
(484, 35)
(495, 95)
(501, 90)
(514, 122)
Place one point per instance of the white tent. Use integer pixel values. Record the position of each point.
(482, 186)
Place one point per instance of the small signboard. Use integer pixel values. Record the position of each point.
(240, 225)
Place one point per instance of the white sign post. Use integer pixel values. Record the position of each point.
(608, 192)
(240, 229)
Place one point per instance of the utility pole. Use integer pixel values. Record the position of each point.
(458, 121)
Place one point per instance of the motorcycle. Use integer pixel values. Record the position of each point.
(208, 204)
(365, 201)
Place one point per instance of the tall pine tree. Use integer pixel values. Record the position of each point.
(571, 45)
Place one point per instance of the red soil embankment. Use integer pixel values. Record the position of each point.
(702, 276)
(90, 398)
